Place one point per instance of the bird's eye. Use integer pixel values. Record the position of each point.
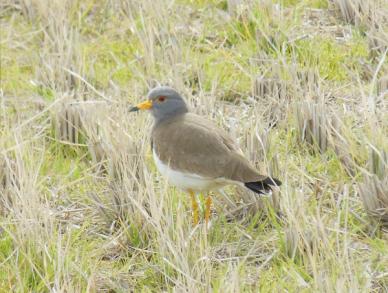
(161, 98)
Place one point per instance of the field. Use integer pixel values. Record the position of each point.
(301, 85)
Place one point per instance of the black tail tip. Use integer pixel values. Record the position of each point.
(263, 186)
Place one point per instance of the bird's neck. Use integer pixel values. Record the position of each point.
(171, 116)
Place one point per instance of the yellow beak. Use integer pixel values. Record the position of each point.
(146, 105)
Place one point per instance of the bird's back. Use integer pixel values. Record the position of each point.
(195, 145)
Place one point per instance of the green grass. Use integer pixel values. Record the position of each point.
(67, 226)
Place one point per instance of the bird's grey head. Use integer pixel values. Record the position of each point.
(163, 102)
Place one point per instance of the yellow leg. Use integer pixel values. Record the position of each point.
(208, 205)
(194, 205)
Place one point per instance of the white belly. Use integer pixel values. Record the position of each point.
(187, 181)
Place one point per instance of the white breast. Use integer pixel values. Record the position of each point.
(186, 181)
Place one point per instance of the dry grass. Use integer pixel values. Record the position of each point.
(302, 85)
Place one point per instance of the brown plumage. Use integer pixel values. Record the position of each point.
(193, 144)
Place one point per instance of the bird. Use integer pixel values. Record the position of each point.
(194, 154)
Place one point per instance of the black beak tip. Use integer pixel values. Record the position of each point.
(134, 109)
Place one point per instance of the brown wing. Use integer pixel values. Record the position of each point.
(195, 145)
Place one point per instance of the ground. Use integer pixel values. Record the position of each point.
(301, 85)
